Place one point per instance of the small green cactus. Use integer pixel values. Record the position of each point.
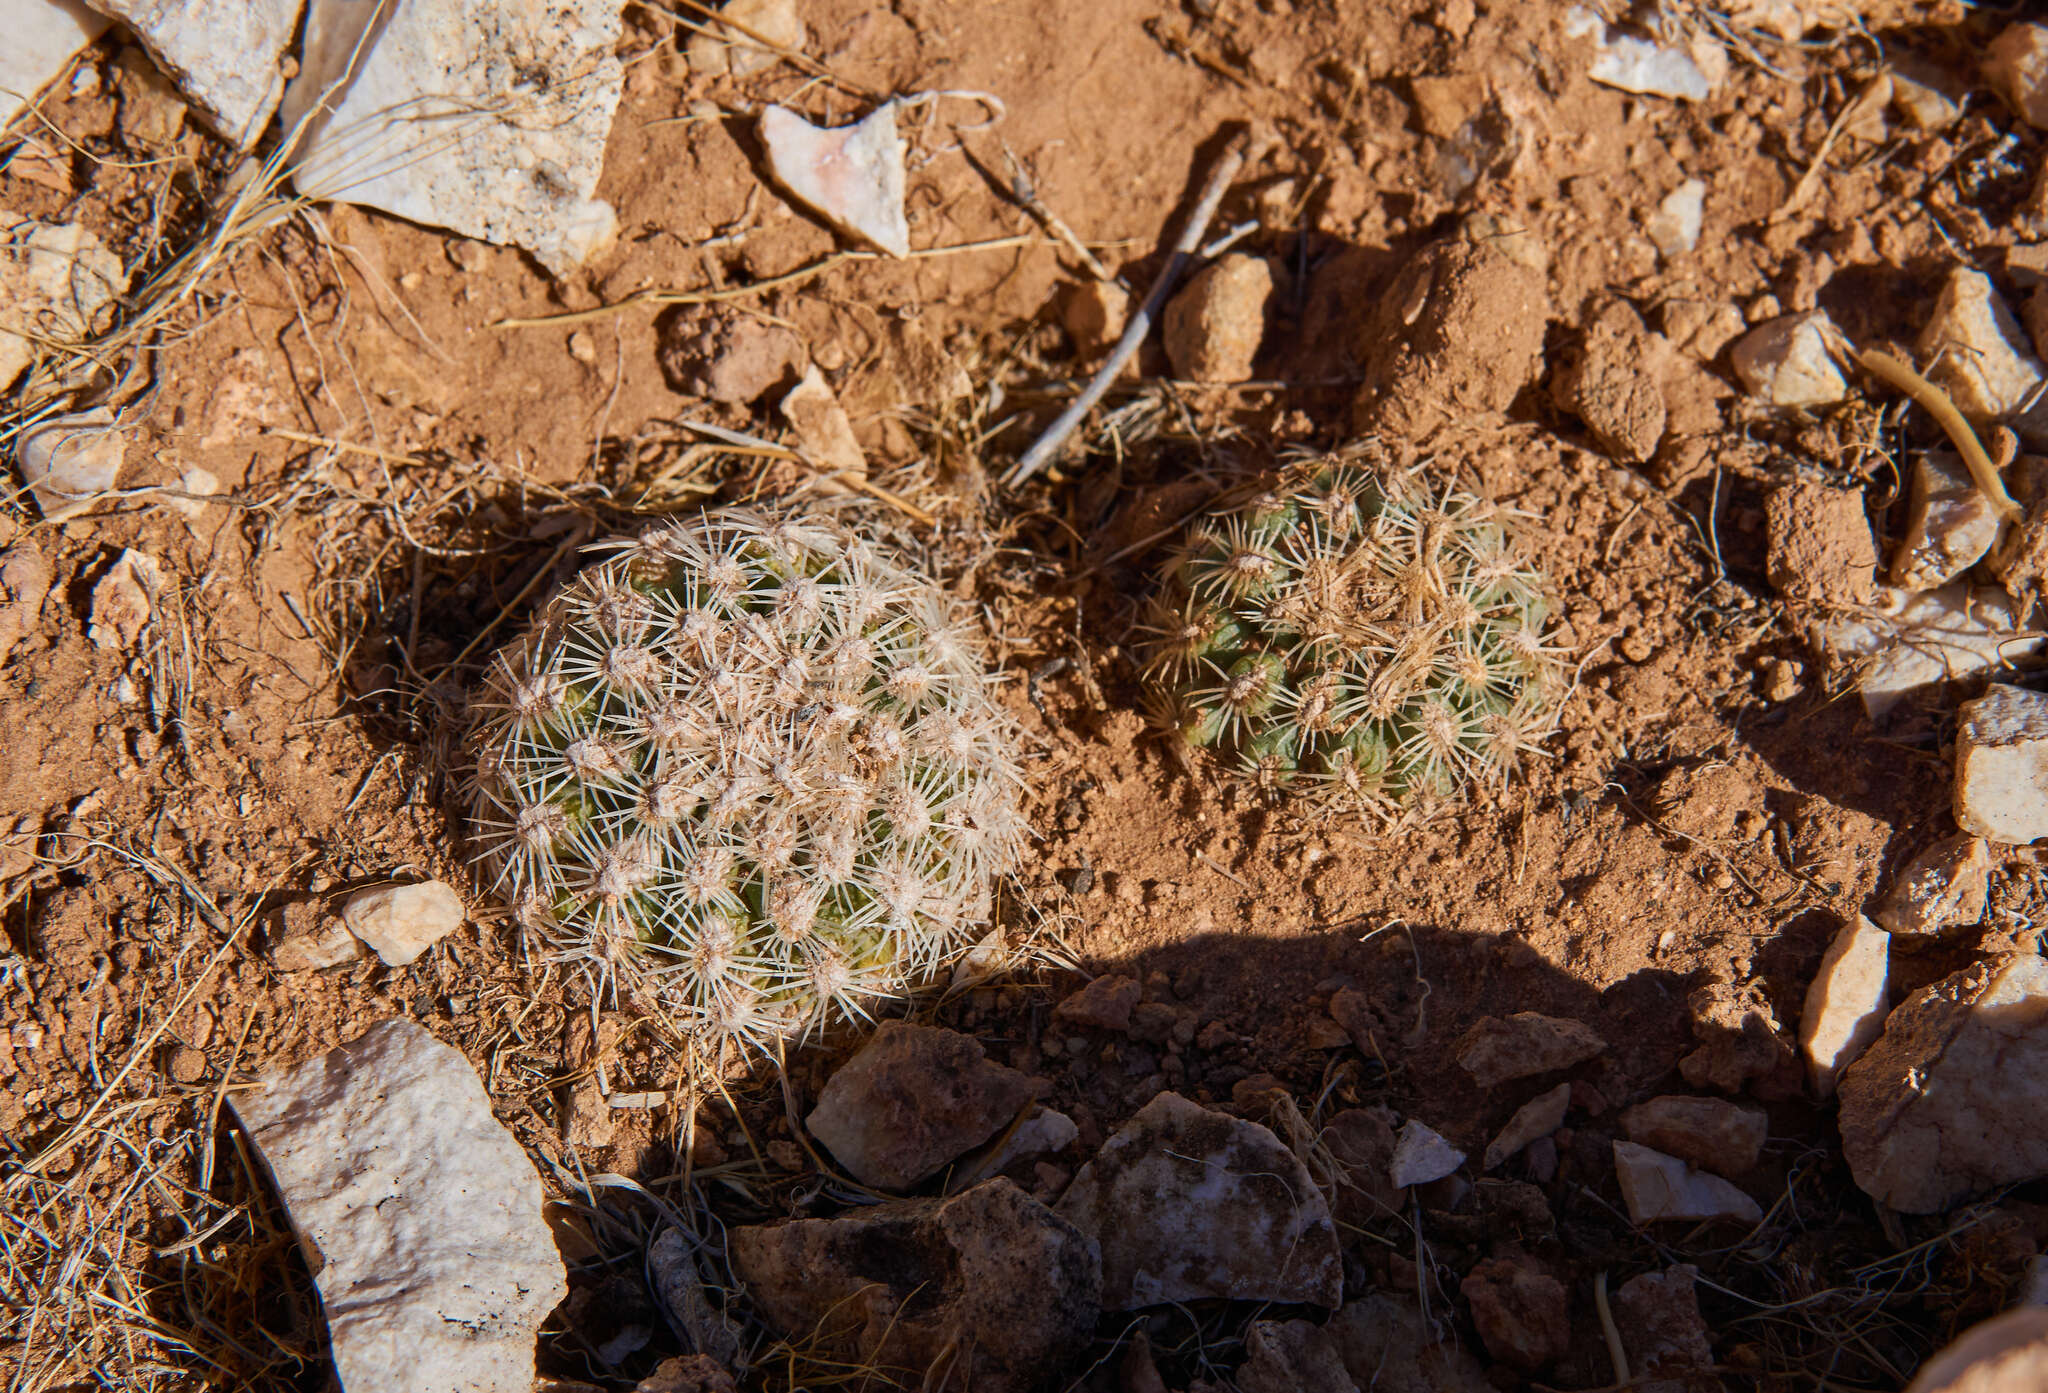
(1357, 635)
(749, 768)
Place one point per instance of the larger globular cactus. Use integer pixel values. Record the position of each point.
(1358, 634)
(750, 767)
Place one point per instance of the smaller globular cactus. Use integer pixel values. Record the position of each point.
(750, 767)
(1357, 634)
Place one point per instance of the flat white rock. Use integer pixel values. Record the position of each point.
(1976, 350)
(1639, 65)
(488, 121)
(1675, 226)
(1787, 361)
(1907, 643)
(852, 176)
(1538, 1117)
(41, 37)
(223, 54)
(71, 462)
(1950, 524)
(419, 1215)
(400, 922)
(55, 278)
(1656, 1186)
(2001, 790)
(1845, 1005)
(1421, 1155)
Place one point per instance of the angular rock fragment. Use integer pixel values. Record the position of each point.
(1188, 1203)
(124, 600)
(2005, 1354)
(57, 281)
(41, 37)
(1953, 1098)
(912, 1100)
(1638, 65)
(2016, 66)
(1946, 886)
(1675, 226)
(1094, 314)
(732, 51)
(400, 922)
(1950, 524)
(1976, 351)
(1845, 1004)
(686, 1373)
(1389, 1348)
(225, 57)
(1043, 1133)
(985, 1290)
(1924, 105)
(315, 947)
(1291, 1356)
(1538, 1117)
(1520, 1311)
(1604, 384)
(823, 428)
(1711, 1133)
(1907, 645)
(419, 1214)
(1495, 1051)
(1741, 1044)
(1214, 324)
(1818, 545)
(1658, 1314)
(1421, 1155)
(852, 176)
(1658, 1187)
(2001, 785)
(1104, 1004)
(1788, 362)
(492, 127)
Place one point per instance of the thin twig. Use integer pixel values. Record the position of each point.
(1048, 444)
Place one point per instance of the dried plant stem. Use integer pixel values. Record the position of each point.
(1926, 394)
(1048, 444)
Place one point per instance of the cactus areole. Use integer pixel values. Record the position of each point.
(748, 767)
(1357, 635)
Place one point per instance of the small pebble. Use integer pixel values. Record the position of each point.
(187, 1065)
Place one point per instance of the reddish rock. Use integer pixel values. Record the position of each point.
(1520, 1311)
(1104, 1004)
(1291, 1357)
(1818, 548)
(1496, 1051)
(707, 351)
(1661, 1326)
(1712, 1133)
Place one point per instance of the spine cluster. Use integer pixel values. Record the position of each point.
(750, 767)
(1356, 634)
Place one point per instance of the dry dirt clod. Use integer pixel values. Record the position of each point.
(1604, 385)
(1388, 1348)
(2001, 781)
(913, 1099)
(1924, 105)
(687, 1373)
(1188, 1203)
(1944, 887)
(1787, 362)
(1741, 1045)
(1495, 1051)
(1818, 548)
(419, 1213)
(1976, 351)
(852, 176)
(726, 355)
(989, 1289)
(2016, 66)
(1458, 335)
(1712, 1133)
(1215, 323)
(1953, 1098)
(2005, 1354)
(1291, 1357)
(1521, 1312)
(1361, 1141)
(1538, 1117)
(1950, 524)
(400, 922)
(1662, 1328)
(1658, 1187)
(310, 943)
(1845, 1004)
(1094, 313)
(25, 580)
(124, 600)
(1104, 1004)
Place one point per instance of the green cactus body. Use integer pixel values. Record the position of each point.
(750, 768)
(1357, 636)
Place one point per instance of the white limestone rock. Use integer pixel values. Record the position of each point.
(1953, 1099)
(1656, 1186)
(2001, 788)
(2016, 66)
(1188, 1203)
(400, 922)
(1538, 1117)
(1946, 886)
(1950, 524)
(419, 1214)
(56, 279)
(1787, 361)
(1908, 643)
(852, 176)
(1421, 1155)
(2005, 1354)
(223, 54)
(1976, 350)
(1639, 65)
(488, 121)
(42, 35)
(1845, 1004)
(1675, 226)
(70, 463)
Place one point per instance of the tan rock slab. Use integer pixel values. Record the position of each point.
(1845, 1003)
(1711, 1133)
(1657, 1187)
(1975, 349)
(2001, 779)
(2005, 1354)
(1538, 1117)
(400, 922)
(1946, 886)
(1498, 1050)
(1950, 524)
